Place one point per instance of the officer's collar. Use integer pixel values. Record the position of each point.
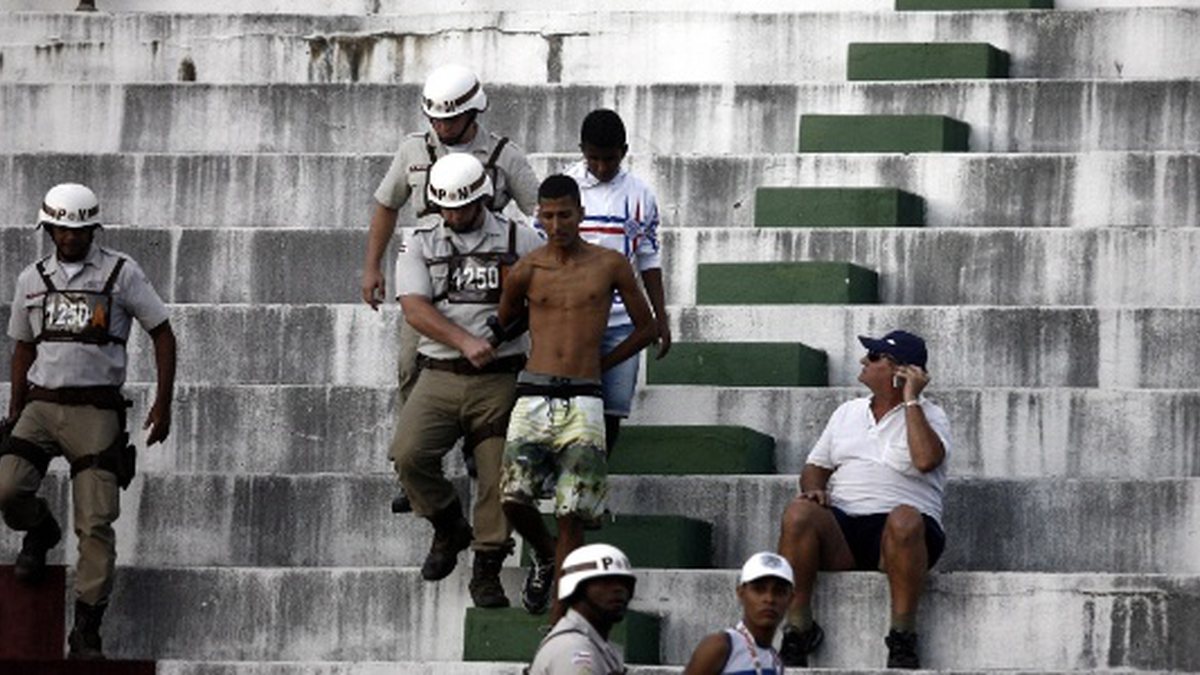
(92, 258)
(491, 228)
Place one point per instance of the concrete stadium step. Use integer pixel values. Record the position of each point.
(883, 133)
(676, 522)
(846, 207)
(1126, 267)
(967, 5)
(690, 44)
(355, 667)
(691, 450)
(1026, 346)
(960, 190)
(925, 61)
(514, 635)
(740, 364)
(997, 432)
(1067, 621)
(1002, 115)
(785, 283)
(945, 266)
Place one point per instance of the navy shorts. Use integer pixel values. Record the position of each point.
(865, 536)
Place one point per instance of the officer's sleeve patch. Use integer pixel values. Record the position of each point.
(582, 658)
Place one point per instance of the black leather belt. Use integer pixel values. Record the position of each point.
(507, 364)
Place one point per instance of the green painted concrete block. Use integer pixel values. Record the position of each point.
(882, 133)
(952, 5)
(925, 61)
(513, 634)
(837, 207)
(741, 364)
(691, 450)
(666, 542)
(786, 283)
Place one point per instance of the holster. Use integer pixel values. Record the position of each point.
(494, 428)
(120, 459)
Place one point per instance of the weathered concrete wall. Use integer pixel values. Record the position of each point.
(576, 47)
(1004, 116)
(1065, 621)
(961, 190)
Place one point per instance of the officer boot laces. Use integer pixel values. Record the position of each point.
(485, 587)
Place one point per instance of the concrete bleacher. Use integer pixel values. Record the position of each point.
(235, 146)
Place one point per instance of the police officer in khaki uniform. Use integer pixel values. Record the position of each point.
(71, 315)
(448, 283)
(452, 100)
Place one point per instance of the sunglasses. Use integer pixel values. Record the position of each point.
(875, 356)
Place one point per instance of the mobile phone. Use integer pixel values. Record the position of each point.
(897, 382)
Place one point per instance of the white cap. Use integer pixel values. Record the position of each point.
(766, 564)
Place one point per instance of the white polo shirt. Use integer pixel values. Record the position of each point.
(872, 467)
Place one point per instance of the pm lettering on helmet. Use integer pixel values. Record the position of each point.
(606, 562)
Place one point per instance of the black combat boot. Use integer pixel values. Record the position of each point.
(486, 589)
(85, 635)
(451, 534)
(30, 566)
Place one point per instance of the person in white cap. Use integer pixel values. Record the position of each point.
(71, 316)
(597, 584)
(764, 590)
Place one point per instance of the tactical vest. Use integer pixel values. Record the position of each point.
(76, 315)
(476, 278)
(489, 167)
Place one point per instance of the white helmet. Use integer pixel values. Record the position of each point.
(452, 90)
(457, 180)
(70, 205)
(590, 562)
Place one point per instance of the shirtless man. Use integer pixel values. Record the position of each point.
(555, 443)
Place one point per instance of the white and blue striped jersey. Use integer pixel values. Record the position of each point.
(743, 661)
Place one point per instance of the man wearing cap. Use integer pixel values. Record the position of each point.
(597, 584)
(448, 284)
(71, 316)
(764, 591)
(871, 496)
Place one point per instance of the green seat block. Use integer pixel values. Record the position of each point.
(710, 450)
(786, 283)
(513, 634)
(882, 133)
(951, 5)
(925, 61)
(740, 364)
(667, 542)
(837, 207)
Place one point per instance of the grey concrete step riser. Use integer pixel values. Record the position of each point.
(536, 47)
(996, 433)
(462, 668)
(1055, 267)
(1069, 621)
(1016, 116)
(344, 521)
(1105, 267)
(1073, 190)
(1034, 347)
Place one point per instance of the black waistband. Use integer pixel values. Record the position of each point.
(107, 398)
(560, 389)
(507, 364)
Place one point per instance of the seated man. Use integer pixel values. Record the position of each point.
(871, 496)
(555, 442)
(764, 591)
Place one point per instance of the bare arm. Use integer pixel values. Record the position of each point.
(813, 481)
(652, 278)
(512, 297)
(158, 421)
(710, 656)
(644, 330)
(422, 315)
(924, 445)
(383, 226)
(23, 356)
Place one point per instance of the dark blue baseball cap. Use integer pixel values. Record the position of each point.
(907, 349)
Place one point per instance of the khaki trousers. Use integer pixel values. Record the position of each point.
(73, 431)
(442, 408)
(407, 370)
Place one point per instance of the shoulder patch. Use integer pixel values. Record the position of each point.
(582, 657)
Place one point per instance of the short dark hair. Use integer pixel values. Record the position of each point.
(559, 186)
(603, 128)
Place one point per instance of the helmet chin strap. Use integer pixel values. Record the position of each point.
(458, 140)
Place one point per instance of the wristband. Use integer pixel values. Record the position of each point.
(910, 404)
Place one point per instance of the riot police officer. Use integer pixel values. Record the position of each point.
(448, 283)
(71, 316)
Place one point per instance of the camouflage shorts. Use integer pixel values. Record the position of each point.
(556, 447)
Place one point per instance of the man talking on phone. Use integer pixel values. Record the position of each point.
(871, 496)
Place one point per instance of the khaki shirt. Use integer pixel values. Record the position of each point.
(512, 179)
(74, 364)
(573, 647)
(415, 276)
